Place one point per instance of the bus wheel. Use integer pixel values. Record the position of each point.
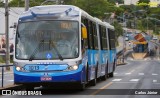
(93, 82)
(87, 69)
(111, 74)
(104, 77)
(82, 86)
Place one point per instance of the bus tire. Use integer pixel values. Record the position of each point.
(87, 69)
(111, 74)
(94, 81)
(114, 65)
(82, 86)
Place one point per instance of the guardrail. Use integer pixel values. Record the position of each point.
(119, 53)
(2, 66)
(120, 57)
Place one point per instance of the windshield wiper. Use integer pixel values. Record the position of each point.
(39, 46)
(35, 51)
(59, 55)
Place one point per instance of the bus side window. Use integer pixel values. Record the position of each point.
(84, 41)
(87, 43)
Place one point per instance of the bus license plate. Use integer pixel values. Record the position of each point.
(46, 78)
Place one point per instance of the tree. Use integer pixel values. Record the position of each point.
(144, 1)
(116, 1)
(96, 8)
(118, 29)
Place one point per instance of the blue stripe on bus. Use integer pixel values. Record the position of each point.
(57, 76)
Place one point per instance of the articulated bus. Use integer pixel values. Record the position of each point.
(62, 44)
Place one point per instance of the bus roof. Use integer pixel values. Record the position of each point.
(51, 11)
(58, 11)
(54, 12)
(109, 25)
(99, 21)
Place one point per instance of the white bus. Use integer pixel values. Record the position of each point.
(59, 44)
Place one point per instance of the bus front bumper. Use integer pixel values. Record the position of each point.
(50, 77)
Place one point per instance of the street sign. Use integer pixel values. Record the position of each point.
(139, 37)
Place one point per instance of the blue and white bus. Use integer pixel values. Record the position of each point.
(57, 44)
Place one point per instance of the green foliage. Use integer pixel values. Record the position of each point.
(118, 29)
(144, 1)
(114, 1)
(20, 3)
(16, 3)
(96, 8)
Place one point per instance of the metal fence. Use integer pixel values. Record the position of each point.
(2, 73)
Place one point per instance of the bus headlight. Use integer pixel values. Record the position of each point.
(73, 67)
(18, 68)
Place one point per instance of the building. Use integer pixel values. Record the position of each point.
(153, 3)
(158, 1)
(129, 2)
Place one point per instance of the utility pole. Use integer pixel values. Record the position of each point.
(26, 5)
(7, 34)
(124, 23)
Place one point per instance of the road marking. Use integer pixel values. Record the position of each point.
(155, 81)
(125, 82)
(134, 80)
(104, 87)
(127, 73)
(154, 74)
(140, 73)
(131, 71)
(117, 80)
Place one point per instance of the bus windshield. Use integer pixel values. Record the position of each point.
(43, 40)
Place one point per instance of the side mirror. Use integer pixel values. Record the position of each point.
(84, 32)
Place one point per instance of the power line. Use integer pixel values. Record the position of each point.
(2, 13)
(13, 15)
(14, 11)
